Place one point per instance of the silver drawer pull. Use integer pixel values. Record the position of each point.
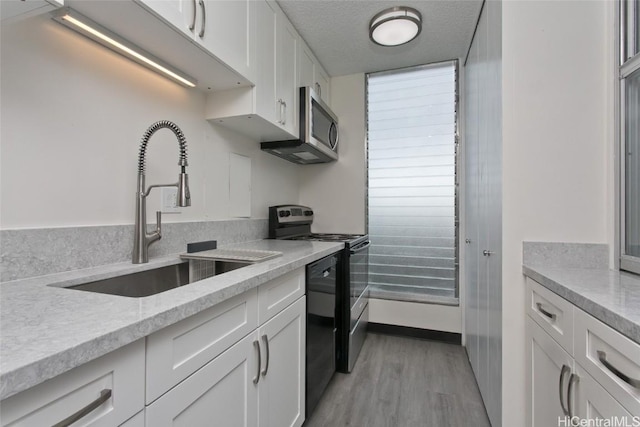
(550, 315)
(193, 20)
(256, 345)
(204, 19)
(572, 380)
(266, 344)
(602, 357)
(104, 396)
(565, 369)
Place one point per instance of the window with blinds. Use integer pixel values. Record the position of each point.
(411, 120)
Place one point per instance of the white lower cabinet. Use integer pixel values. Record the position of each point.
(259, 381)
(579, 370)
(222, 393)
(240, 363)
(281, 388)
(546, 363)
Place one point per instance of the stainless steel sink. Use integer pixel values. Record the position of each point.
(154, 281)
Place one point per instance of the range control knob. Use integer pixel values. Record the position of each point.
(308, 213)
(287, 213)
(281, 214)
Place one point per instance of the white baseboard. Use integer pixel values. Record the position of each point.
(416, 315)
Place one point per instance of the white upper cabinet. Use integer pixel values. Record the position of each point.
(227, 33)
(221, 27)
(311, 73)
(268, 111)
(167, 30)
(286, 82)
(265, 90)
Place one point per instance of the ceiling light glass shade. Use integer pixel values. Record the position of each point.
(395, 26)
(94, 31)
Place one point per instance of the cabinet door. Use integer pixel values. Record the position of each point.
(306, 65)
(286, 46)
(223, 392)
(594, 403)
(282, 388)
(322, 82)
(227, 32)
(181, 14)
(545, 361)
(266, 99)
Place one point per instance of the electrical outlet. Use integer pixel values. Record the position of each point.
(168, 196)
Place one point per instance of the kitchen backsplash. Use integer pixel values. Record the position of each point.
(565, 255)
(36, 252)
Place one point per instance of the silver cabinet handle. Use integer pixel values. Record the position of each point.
(602, 357)
(284, 115)
(193, 19)
(266, 344)
(572, 380)
(550, 315)
(256, 345)
(204, 18)
(104, 396)
(280, 111)
(487, 252)
(565, 369)
(319, 90)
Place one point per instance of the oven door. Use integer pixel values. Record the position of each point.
(358, 281)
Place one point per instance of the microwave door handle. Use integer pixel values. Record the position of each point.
(333, 143)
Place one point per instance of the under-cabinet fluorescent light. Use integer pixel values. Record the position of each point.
(95, 32)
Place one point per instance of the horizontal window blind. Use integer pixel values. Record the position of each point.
(411, 184)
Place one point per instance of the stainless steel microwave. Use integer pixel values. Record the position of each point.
(319, 133)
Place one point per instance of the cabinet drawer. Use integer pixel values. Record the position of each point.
(553, 313)
(278, 294)
(610, 358)
(121, 372)
(179, 350)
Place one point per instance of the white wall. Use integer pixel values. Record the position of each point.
(72, 115)
(557, 139)
(336, 191)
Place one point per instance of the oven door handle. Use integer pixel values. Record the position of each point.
(360, 248)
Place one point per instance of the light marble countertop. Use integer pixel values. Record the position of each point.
(608, 295)
(46, 330)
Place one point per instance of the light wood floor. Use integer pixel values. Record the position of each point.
(403, 382)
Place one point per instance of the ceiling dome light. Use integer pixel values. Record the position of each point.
(395, 26)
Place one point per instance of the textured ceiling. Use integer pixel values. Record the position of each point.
(337, 31)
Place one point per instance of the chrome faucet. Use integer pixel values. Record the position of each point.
(141, 238)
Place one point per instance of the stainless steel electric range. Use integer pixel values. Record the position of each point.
(293, 222)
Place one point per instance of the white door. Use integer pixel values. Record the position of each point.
(282, 382)
(545, 387)
(287, 39)
(266, 100)
(593, 402)
(306, 65)
(227, 33)
(223, 392)
(184, 15)
(322, 80)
